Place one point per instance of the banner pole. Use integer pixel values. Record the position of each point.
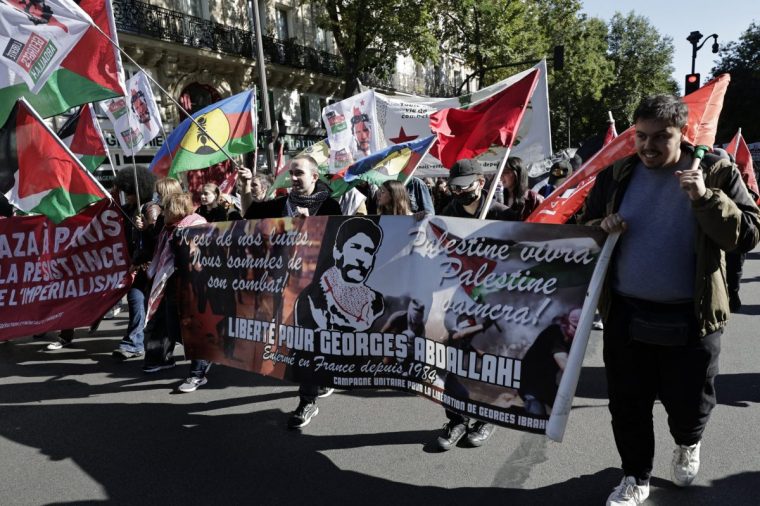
(411, 174)
(563, 403)
(184, 111)
(492, 189)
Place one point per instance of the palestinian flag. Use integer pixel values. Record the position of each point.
(38, 174)
(229, 124)
(82, 134)
(91, 72)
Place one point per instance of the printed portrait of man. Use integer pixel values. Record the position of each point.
(360, 129)
(140, 107)
(340, 299)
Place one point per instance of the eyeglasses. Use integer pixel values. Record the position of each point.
(458, 188)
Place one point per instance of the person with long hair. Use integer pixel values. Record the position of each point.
(392, 198)
(518, 197)
(210, 207)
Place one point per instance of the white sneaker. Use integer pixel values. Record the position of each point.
(192, 384)
(628, 493)
(57, 345)
(325, 392)
(685, 465)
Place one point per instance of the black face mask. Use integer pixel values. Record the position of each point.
(466, 198)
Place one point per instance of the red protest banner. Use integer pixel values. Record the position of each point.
(61, 276)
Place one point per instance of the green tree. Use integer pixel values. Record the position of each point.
(575, 92)
(486, 34)
(643, 64)
(741, 105)
(369, 34)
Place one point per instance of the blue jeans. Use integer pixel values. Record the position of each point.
(138, 304)
(199, 368)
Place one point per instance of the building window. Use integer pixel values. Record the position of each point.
(196, 96)
(197, 8)
(305, 113)
(283, 33)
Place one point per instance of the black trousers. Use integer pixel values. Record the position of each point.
(637, 373)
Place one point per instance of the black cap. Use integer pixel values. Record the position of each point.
(464, 172)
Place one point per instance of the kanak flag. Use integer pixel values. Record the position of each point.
(229, 127)
(82, 134)
(704, 106)
(739, 149)
(38, 174)
(466, 133)
(92, 71)
(396, 162)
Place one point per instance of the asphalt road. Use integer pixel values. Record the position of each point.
(78, 428)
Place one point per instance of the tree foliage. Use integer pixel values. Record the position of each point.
(741, 106)
(486, 35)
(642, 61)
(369, 34)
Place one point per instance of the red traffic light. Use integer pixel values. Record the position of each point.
(692, 83)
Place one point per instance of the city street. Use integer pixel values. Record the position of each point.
(78, 428)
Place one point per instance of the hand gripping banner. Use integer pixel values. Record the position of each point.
(479, 316)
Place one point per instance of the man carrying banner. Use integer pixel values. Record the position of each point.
(307, 197)
(665, 303)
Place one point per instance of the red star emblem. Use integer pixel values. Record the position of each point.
(402, 137)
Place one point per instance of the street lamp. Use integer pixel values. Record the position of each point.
(694, 38)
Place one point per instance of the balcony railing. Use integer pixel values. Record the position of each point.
(140, 18)
(411, 85)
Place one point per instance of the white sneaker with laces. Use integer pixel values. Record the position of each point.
(685, 465)
(192, 384)
(628, 493)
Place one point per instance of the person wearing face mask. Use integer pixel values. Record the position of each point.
(466, 182)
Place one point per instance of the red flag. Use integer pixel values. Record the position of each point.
(704, 105)
(222, 174)
(611, 134)
(466, 133)
(82, 134)
(739, 149)
(38, 174)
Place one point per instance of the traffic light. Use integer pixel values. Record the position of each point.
(692, 83)
(559, 57)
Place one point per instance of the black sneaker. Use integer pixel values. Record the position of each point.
(303, 415)
(479, 433)
(159, 367)
(452, 433)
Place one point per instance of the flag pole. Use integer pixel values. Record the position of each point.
(66, 148)
(738, 136)
(184, 111)
(492, 189)
(134, 165)
(409, 177)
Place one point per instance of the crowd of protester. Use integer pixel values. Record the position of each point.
(158, 207)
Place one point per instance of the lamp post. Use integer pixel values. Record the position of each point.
(694, 38)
